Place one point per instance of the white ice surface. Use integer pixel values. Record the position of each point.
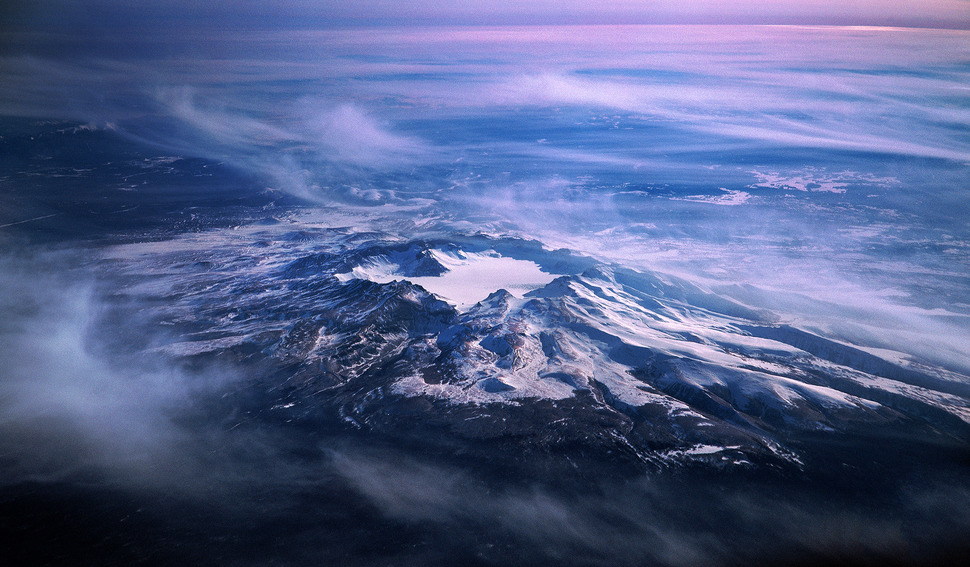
(471, 277)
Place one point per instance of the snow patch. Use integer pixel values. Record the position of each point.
(814, 180)
(471, 276)
(730, 198)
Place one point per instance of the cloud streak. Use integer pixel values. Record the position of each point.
(311, 146)
(65, 408)
(655, 521)
(842, 151)
(719, 106)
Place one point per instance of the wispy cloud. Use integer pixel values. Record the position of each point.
(763, 111)
(64, 408)
(652, 521)
(74, 404)
(582, 136)
(299, 148)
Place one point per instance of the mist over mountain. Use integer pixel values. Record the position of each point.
(533, 294)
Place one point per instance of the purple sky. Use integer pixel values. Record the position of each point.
(953, 12)
(314, 13)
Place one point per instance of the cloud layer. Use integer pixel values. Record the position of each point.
(842, 152)
(845, 147)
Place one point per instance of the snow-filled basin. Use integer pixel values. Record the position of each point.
(470, 278)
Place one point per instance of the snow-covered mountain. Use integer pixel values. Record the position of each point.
(564, 353)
